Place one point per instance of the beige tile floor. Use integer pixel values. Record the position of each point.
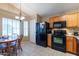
(30, 49)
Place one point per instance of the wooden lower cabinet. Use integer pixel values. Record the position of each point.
(49, 40)
(71, 45)
(75, 45)
(78, 47)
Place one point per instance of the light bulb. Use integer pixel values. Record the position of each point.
(22, 18)
(16, 17)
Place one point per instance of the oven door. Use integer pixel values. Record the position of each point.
(59, 41)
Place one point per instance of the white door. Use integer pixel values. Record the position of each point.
(33, 31)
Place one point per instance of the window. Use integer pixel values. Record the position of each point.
(16, 27)
(10, 26)
(25, 23)
(4, 27)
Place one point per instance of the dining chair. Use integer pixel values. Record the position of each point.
(12, 47)
(3, 48)
(13, 44)
(19, 42)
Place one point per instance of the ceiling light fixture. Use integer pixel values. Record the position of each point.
(20, 17)
(16, 17)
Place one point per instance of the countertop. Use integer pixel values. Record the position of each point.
(77, 37)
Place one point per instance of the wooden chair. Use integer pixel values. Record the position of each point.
(15, 45)
(3, 48)
(12, 47)
(19, 42)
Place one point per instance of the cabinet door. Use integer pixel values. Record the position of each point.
(49, 40)
(78, 20)
(69, 44)
(50, 19)
(56, 18)
(71, 20)
(75, 45)
(63, 18)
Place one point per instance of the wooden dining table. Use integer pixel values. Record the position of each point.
(8, 42)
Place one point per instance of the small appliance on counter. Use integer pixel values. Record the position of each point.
(76, 34)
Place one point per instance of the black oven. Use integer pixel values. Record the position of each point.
(61, 24)
(59, 40)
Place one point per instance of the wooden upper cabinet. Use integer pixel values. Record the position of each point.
(63, 18)
(56, 18)
(51, 20)
(71, 20)
(78, 20)
(59, 18)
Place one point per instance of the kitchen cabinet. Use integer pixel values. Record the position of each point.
(78, 20)
(59, 18)
(72, 20)
(63, 18)
(49, 40)
(71, 44)
(50, 20)
(78, 47)
(56, 18)
(74, 45)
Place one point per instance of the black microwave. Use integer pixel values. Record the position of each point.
(61, 24)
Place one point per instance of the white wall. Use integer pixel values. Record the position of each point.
(32, 30)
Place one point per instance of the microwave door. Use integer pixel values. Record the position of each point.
(57, 25)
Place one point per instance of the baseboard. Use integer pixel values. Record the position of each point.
(72, 53)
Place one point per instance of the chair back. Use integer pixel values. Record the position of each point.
(20, 37)
(14, 36)
(20, 40)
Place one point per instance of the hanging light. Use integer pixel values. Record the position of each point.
(20, 17)
(16, 17)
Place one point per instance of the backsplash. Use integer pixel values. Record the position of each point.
(72, 30)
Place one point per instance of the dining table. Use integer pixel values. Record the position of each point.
(8, 42)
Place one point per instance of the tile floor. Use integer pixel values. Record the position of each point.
(31, 49)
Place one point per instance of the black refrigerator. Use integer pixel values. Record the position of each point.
(41, 33)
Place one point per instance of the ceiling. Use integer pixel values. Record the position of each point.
(47, 9)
